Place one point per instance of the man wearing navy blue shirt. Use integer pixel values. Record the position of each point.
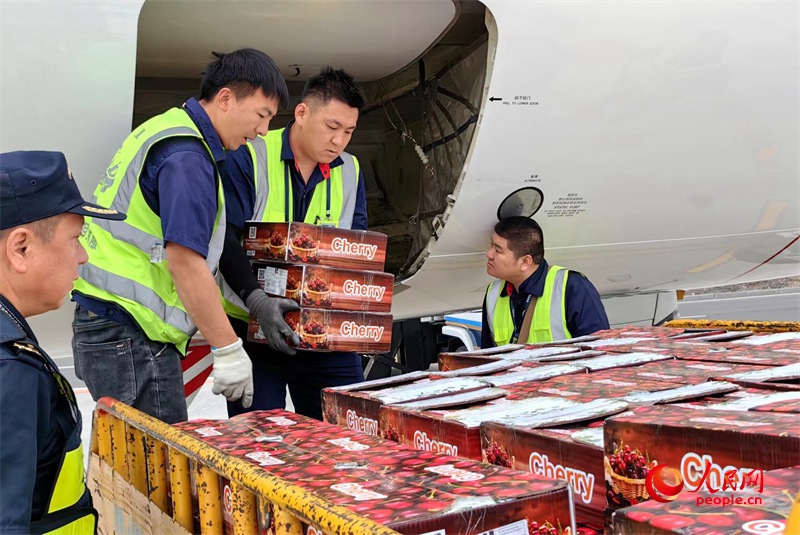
(533, 301)
(311, 149)
(149, 284)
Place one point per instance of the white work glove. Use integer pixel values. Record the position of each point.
(233, 373)
(270, 312)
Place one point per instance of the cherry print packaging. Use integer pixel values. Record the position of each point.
(756, 510)
(678, 372)
(312, 244)
(718, 352)
(457, 430)
(335, 330)
(409, 491)
(701, 443)
(326, 287)
(573, 450)
(357, 406)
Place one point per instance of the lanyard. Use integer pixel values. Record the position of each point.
(287, 188)
(518, 327)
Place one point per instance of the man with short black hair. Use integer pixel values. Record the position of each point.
(533, 301)
(42, 489)
(149, 283)
(304, 175)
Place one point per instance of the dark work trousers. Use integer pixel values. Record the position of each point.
(306, 373)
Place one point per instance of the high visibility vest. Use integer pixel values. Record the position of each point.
(549, 320)
(333, 202)
(65, 515)
(69, 510)
(127, 260)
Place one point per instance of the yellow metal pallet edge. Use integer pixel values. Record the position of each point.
(121, 439)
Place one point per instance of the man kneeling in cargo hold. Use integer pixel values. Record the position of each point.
(534, 302)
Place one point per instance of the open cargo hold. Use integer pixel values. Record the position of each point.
(425, 89)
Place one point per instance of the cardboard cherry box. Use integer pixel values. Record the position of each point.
(426, 423)
(715, 352)
(430, 425)
(755, 399)
(785, 341)
(357, 406)
(762, 508)
(701, 443)
(409, 491)
(681, 372)
(335, 330)
(612, 383)
(326, 287)
(574, 450)
(312, 244)
(458, 361)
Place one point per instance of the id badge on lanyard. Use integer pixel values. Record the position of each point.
(319, 221)
(517, 328)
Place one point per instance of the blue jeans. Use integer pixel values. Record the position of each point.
(119, 361)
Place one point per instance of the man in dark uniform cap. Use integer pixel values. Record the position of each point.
(42, 488)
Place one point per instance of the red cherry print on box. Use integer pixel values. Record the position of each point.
(639, 516)
(671, 522)
(717, 519)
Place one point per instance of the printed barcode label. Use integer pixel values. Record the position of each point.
(274, 280)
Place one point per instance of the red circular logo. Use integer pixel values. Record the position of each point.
(226, 499)
(658, 489)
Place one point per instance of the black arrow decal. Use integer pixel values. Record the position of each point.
(495, 98)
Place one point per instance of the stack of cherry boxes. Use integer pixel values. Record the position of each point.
(411, 492)
(334, 274)
(544, 409)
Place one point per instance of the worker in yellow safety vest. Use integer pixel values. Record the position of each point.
(149, 283)
(297, 173)
(42, 488)
(533, 301)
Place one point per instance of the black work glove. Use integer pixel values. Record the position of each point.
(270, 312)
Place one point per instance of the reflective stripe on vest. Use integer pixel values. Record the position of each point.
(275, 199)
(549, 317)
(68, 511)
(127, 261)
(64, 516)
(275, 194)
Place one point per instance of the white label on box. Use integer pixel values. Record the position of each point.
(348, 444)
(456, 474)
(358, 492)
(281, 420)
(520, 527)
(437, 532)
(253, 232)
(263, 458)
(208, 432)
(274, 280)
